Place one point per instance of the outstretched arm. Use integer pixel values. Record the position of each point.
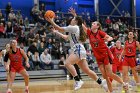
(25, 57)
(108, 38)
(60, 34)
(57, 27)
(73, 12)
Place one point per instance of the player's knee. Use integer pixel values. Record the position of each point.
(109, 74)
(26, 76)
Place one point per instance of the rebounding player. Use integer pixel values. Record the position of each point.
(15, 56)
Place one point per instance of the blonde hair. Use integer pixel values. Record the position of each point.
(99, 24)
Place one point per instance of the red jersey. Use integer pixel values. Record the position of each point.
(116, 53)
(130, 48)
(97, 43)
(15, 58)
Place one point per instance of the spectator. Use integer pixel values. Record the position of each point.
(18, 16)
(31, 36)
(36, 60)
(12, 16)
(62, 64)
(42, 7)
(54, 51)
(8, 9)
(108, 21)
(1, 17)
(17, 29)
(43, 40)
(41, 48)
(33, 48)
(2, 30)
(49, 45)
(35, 12)
(22, 38)
(62, 49)
(26, 23)
(46, 59)
(30, 61)
(138, 62)
(1, 58)
(9, 30)
(41, 32)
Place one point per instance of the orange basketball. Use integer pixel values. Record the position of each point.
(50, 14)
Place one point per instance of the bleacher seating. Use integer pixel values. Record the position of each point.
(3, 42)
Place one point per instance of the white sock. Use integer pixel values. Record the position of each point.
(9, 89)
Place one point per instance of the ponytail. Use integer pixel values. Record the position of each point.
(83, 36)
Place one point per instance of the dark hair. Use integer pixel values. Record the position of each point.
(83, 36)
(68, 21)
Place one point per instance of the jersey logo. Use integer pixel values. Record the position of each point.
(15, 58)
(129, 50)
(95, 44)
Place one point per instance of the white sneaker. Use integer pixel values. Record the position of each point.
(78, 84)
(126, 87)
(104, 85)
(9, 91)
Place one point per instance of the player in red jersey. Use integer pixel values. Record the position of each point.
(116, 51)
(129, 54)
(103, 55)
(15, 56)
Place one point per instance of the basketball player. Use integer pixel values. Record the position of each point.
(101, 52)
(76, 37)
(3, 52)
(116, 51)
(129, 53)
(15, 56)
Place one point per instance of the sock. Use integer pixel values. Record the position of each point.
(9, 89)
(76, 78)
(99, 81)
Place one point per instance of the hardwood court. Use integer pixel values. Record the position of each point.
(57, 86)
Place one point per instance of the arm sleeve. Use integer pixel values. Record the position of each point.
(71, 29)
(6, 57)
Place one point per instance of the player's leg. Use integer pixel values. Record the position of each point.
(11, 80)
(102, 69)
(72, 59)
(26, 79)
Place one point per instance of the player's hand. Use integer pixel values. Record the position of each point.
(27, 65)
(7, 68)
(72, 11)
(49, 19)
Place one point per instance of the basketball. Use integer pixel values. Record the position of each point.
(50, 14)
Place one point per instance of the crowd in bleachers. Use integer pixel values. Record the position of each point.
(43, 46)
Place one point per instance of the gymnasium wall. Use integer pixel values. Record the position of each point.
(63, 5)
(106, 7)
(138, 12)
(24, 5)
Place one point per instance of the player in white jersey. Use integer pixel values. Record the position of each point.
(76, 37)
(4, 51)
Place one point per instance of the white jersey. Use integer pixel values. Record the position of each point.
(76, 46)
(74, 34)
